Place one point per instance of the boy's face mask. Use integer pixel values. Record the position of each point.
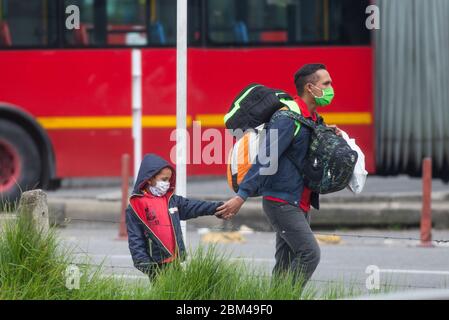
(326, 98)
(160, 188)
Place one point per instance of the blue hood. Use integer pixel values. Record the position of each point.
(150, 166)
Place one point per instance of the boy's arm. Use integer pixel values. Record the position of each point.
(191, 208)
(136, 242)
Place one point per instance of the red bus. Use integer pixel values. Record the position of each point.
(65, 94)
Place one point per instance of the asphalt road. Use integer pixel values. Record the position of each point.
(403, 264)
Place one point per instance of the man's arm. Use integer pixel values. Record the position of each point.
(285, 128)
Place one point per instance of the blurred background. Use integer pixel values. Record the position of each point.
(66, 118)
(65, 94)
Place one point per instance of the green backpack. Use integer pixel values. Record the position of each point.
(330, 161)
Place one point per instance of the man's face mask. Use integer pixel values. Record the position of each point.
(160, 188)
(326, 98)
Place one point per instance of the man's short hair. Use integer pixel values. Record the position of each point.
(307, 74)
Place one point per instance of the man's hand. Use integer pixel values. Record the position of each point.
(229, 208)
(336, 130)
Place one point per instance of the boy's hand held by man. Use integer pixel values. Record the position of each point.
(229, 208)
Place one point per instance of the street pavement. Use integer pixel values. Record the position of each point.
(403, 264)
(385, 202)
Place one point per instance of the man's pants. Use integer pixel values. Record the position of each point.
(297, 250)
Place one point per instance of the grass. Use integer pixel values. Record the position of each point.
(210, 275)
(33, 265)
(8, 207)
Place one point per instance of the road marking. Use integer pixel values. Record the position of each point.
(253, 259)
(405, 271)
(126, 257)
(411, 271)
(122, 276)
(117, 256)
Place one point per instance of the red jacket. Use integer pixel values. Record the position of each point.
(154, 223)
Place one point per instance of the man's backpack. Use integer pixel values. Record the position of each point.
(253, 106)
(329, 162)
(247, 116)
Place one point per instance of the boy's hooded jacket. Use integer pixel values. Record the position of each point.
(145, 235)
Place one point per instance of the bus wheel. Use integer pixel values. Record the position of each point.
(20, 163)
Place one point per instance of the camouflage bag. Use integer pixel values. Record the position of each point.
(330, 161)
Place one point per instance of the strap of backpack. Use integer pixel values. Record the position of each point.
(298, 117)
(283, 96)
(301, 119)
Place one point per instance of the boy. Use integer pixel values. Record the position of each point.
(154, 213)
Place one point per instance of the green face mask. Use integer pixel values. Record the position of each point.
(326, 98)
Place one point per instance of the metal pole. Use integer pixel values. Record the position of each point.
(426, 214)
(181, 102)
(136, 71)
(123, 234)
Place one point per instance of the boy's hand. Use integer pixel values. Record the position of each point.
(229, 208)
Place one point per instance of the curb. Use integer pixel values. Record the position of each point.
(330, 216)
(340, 198)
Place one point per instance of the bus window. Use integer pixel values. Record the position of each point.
(162, 22)
(246, 22)
(124, 23)
(30, 23)
(103, 23)
(162, 26)
(339, 22)
(92, 29)
(162, 17)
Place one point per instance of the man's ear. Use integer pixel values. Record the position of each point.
(311, 89)
(308, 88)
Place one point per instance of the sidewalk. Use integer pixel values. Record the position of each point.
(386, 202)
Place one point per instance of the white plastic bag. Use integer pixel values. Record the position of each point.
(358, 178)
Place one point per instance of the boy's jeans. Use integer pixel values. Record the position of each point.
(297, 250)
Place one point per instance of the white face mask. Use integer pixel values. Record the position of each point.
(160, 188)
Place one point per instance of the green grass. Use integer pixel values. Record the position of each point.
(210, 275)
(33, 266)
(8, 207)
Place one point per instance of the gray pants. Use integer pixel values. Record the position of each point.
(297, 250)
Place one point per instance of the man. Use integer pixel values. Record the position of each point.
(286, 200)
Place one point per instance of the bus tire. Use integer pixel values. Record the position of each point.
(20, 162)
